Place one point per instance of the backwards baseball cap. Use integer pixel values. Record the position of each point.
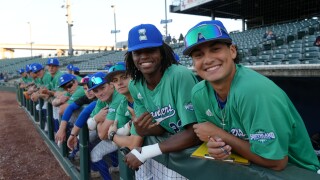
(96, 80)
(85, 80)
(53, 61)
(35, 67)
(120, 67)
(203, 32)
(20, 71)
(65, 78)
(144, 36)
(75, 69)
(69, 67)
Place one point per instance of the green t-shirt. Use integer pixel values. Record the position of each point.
(122, 114)
(76, 95)
(54, 83)
(113, 105)
(78, 78)
(170, 102)
(26, 79)
(44, 81)
(258, 111)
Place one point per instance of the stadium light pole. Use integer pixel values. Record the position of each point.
(166, 19)
(115, 31)
(30, 38)
(69, 21)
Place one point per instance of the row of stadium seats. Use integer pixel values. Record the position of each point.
(293, 45)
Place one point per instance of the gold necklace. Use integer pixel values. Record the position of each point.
(223, 114)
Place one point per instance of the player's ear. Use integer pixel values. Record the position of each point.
(233, 51)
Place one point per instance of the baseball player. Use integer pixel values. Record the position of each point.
(162, 102)
(239, 109)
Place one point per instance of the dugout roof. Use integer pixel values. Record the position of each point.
(256, 12)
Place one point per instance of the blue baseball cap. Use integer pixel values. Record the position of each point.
(144, 36)
(96, 80)
(203, 32)
(65, 78)
(35, 67)
(116, 69)
(176, 57)
(20, 71)
(76, 69)
(69, 67)
(28, 68)
(53, 61)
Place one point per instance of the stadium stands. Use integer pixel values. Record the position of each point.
(293, 45)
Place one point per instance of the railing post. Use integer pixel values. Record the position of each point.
(41, 114)
(84, 153)
(31, 108)
(50, 122)
(35, 112)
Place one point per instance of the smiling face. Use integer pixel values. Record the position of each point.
(214, 61)
(103, 92)
(121, 82)
(148, 61)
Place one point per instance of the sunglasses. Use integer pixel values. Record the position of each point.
(95, 81)
(68, 86)
(202, 33)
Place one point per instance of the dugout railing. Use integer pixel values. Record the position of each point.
(180, 162)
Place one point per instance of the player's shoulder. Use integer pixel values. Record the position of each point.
(199, 87)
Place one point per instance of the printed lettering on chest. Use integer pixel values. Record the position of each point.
(163, 113)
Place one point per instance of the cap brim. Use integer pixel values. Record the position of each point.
(112, 74)
(66, 82)
(188, 50)
(144, 45)
(96, 86)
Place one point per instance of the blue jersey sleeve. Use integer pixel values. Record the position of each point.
(85, 114)
(68, 112)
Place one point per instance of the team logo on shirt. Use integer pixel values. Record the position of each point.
(163, 113)
(238, 133)
(262, 136)
(209, 113)
(127, 113)
(189, 106)
(111, 110)
(139, 96)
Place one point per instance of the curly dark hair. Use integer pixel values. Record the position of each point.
(167, 60)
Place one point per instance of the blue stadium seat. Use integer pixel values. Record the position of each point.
(295, 50)
(280, 51)
(263, 58)
(269, 52)
(311, 49)
(295, 45)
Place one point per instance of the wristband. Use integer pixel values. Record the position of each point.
(124, 131)
(111, 135)
(147, 152)
(92, 125)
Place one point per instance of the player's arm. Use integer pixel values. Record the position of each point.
(131, 141)
(177, 142)
(238, 145)
(103, 128)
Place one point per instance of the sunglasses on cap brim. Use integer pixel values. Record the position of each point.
(95, 81)
(204, 32)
